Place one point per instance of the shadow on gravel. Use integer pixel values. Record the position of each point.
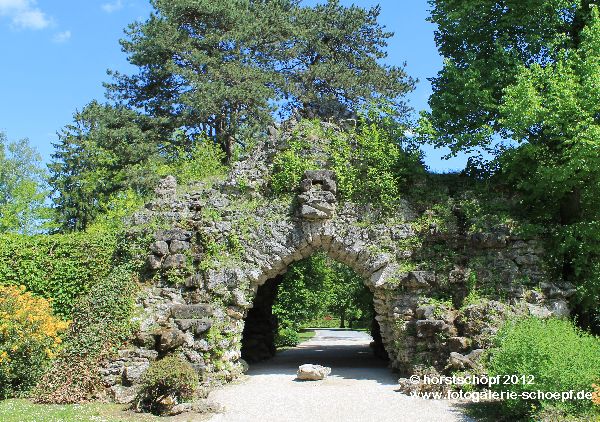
(347, 361)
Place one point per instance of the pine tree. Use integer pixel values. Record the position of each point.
(105, 151)
(221, 69)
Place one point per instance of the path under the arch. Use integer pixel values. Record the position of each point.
(360, 387)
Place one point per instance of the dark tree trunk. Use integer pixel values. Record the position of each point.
(224, 140)
(228, 149)
(350, 323)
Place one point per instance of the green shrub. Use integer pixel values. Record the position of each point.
(166, 382)
(59, 267)
(115, 211)
(29, 337)
(558, 356)
(202, 161)
(288, 168)
(287, 337)
(102, 322)
(370, 162)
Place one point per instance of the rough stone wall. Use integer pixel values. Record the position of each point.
(218, 242)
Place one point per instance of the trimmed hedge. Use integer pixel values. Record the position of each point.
(60, 267)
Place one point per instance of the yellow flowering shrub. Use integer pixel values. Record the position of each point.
(29, 338)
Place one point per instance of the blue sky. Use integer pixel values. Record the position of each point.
(55, 55)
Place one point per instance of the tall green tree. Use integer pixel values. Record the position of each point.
(552, 111)
(302, 294)
(206, 66)
(335, 59)
(527, 72)
(221, 69)
(23, 188)
(485, 43)
(319, 286)
(348, 297)
(106, 151)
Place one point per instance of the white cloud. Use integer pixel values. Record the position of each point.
(24, 14)
(62, 37)
(112, 7)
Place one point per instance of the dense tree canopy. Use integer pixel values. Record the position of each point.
(23, 188)
(528, 72)
(318, 287)
(553, 112)
(222, 68)
(334, 56)
(485, 43)
(106, 151)
(207, 66)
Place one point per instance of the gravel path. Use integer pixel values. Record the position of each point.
(360, 388)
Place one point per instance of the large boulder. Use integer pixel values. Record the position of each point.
(122, 394)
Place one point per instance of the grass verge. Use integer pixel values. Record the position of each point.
(22, 410)
(305, 335)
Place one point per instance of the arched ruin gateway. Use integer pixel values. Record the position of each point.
(215, 244)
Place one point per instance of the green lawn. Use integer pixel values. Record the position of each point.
(21, 410)
(335, 323)
(305, 335)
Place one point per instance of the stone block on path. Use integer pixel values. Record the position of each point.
(309, 372)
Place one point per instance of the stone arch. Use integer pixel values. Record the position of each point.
(195, 302)
(316, 226)
(375, 270)
(350, 250)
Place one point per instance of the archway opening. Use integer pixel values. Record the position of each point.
(316, 296)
